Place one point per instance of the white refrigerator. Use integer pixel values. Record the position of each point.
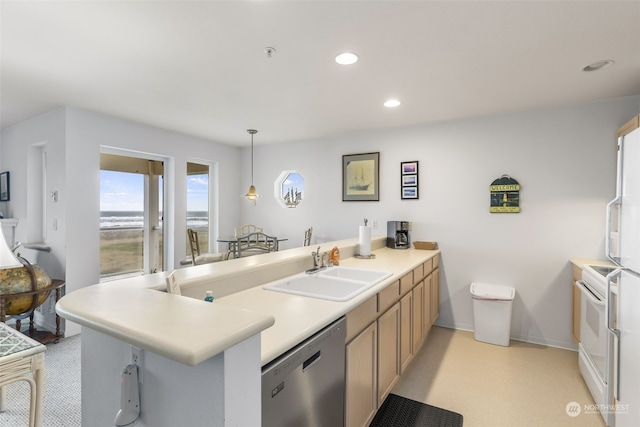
(623, 285)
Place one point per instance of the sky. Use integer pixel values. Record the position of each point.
(121, 191)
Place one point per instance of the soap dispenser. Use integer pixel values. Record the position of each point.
(335, 256)
(209, 296)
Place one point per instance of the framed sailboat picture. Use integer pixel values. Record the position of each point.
(361, 177)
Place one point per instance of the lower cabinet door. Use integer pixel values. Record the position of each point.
(361, 386)
(406, 348)
(388, 351)
(426, 306)
(435, 295)
(418, 312)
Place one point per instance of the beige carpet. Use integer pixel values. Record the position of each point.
(61, 402)
(520, 385)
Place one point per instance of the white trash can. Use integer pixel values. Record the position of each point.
(492, 312)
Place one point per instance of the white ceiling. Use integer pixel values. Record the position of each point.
(199, 67)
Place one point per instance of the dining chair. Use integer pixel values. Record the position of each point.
(307, 236)
(254, 244)
(197, 257)
(243, 230)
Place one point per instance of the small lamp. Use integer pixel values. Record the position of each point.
(7, 258)
(252, 195)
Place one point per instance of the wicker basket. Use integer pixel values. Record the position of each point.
(426, 245)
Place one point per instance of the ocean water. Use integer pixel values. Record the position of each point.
(135, 219)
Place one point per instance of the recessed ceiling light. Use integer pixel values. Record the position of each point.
(347, 58)
(600, 65)
(391, 103)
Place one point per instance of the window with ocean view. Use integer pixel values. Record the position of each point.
(198, 204)
(130, 216)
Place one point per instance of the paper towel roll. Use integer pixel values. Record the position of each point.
(365, 240)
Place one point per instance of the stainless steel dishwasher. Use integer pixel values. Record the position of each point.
(305, 386)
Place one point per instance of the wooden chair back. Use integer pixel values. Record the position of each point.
(194, 244)
(307, 236)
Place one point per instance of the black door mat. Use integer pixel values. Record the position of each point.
(398, 411)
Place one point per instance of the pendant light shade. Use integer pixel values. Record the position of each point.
(252, 195)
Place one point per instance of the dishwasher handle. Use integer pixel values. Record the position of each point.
(311, 361)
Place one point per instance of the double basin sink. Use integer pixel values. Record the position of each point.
(333, 283)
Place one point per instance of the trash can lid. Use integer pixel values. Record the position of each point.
(492, 292)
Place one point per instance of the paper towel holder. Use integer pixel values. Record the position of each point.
(368, 236)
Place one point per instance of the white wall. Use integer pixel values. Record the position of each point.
(16, 142)
(73, 138)
(563, 158)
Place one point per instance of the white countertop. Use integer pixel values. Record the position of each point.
(184, 329)
(189, 330)
(298, 317)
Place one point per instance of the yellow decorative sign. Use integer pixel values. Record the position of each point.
(505, 195)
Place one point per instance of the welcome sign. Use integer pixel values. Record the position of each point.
(505, 195)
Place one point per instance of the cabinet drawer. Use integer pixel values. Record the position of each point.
(388, 296)
(361, 316)
(406, 283)
(436, 260)
(427, 266)
(419, 272)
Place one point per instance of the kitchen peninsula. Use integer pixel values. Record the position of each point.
(202, 358)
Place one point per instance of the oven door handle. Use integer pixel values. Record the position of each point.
(590, 295)
(614, 331)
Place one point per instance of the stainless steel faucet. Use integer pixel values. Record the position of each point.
(319, 261)
(316, 257)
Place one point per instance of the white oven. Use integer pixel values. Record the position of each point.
(595, 341)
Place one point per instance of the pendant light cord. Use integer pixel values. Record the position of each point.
(251, 158)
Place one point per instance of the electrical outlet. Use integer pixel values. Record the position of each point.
(375, 224)
(137, 358)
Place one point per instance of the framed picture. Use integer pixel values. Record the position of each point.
(409, 192)
(4, 187)
(361, 177)
(409, 180)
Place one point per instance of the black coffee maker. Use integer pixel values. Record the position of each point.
(398, 236)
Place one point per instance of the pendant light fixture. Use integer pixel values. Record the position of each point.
(251, 195)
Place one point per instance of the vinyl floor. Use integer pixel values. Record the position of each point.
(525, 385)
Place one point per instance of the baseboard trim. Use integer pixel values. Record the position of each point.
(528, 339)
